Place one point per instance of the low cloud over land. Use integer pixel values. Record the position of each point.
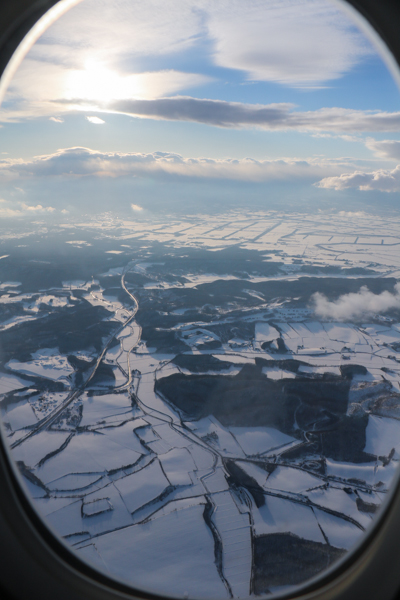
(21, 209)
(357, 306)
(84, 162)
(381, 180)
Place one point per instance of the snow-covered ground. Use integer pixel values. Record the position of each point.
(47, 362)
(151, 495)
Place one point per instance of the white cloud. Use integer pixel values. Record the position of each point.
(389, 149)
(95, 120)
(292, 42)
(295, 42)
(136, 207)
(80, 162)
(356, 306)
(351, 213)
(97, 82)
(21, 209)
(91, 53)
(380, 180)
(41, 89)
(37, 208)
(57, 119)
(6, 211)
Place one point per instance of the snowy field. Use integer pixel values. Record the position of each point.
(172, 496)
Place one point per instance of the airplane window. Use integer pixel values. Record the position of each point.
(200, 289)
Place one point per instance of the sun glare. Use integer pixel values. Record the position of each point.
(97, 82)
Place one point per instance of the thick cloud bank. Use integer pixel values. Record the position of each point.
(353, 306)
(84, 162)
(380, 180)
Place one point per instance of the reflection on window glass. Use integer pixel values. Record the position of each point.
(199, 289)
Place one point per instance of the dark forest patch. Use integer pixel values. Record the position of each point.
(298, 407)
(239, 478)
(286, 559)
(70, 329)
(163, 340)
(250, 398)
(288, 364)
(349, 371)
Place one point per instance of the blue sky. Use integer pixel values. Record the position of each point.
(159, 102)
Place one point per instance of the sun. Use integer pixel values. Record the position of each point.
(98, 83)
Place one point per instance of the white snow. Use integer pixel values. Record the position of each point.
(257, 440)
(38, 446)
(142, 487)
(216, 482)
(387, 473)
(76, 481)
(278, 515)
(34, 491)
(364, 471)
(292, 480)
(256, 472)
(225, 442)
(97, 408)
(96, 507)
(176, 465)
(382, 435)
(265, 332)
(50, 504)
(181, 563)
(47, 362)
(344, 333)
(277, 373)
(15, 321)
(338, 500)
(89, 553)
(235, 533)
(124, 436)
(146, 434)
(67, 520)
(87, 452)
(340, 533)
(9, 383)
(175, 505)
(203, 458)
(150, 400)
(19, 415)
(320, 370)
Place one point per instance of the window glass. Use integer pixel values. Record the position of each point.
(200, 288)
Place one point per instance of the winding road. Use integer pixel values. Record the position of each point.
(54, 415)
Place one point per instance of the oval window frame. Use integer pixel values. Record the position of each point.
(36, 559)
